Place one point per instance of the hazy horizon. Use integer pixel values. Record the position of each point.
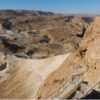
(56, 6)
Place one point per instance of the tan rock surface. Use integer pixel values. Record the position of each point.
(92, 56)
(27, 77)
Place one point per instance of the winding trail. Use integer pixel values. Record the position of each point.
(28, 76)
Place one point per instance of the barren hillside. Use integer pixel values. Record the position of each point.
(48, 56)
(37, 34)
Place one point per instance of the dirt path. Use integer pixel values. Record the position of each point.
(28, 75)
(44, 67)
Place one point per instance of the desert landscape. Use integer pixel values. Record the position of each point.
(46, 55)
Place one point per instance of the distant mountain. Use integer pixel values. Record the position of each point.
(24, 12)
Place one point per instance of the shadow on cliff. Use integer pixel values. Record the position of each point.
(93, 95)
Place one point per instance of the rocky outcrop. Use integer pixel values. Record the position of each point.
(91, 58)
(7, 25)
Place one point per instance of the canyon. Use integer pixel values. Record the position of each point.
(44, 55)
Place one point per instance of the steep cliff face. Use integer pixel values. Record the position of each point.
(92, 54)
